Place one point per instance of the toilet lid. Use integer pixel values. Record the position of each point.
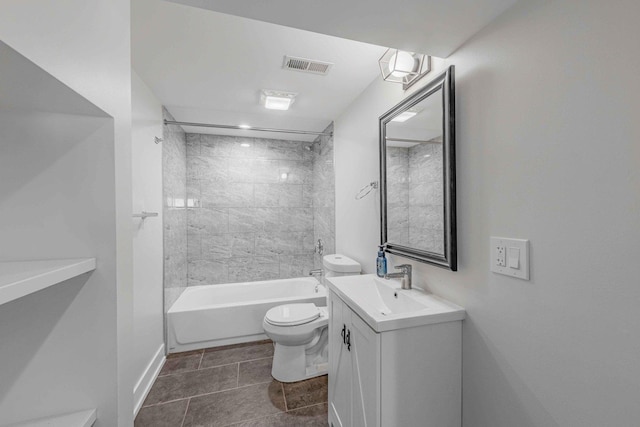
(292, 314)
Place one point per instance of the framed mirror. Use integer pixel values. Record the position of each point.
(417, 175)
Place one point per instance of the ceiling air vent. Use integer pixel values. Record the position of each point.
(306, 65)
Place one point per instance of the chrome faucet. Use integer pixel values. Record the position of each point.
(317, 273)
(404, 275)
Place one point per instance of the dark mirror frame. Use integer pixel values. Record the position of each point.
(444, 82)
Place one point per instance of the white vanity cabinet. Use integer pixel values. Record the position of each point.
(354, 368)
(406, 377)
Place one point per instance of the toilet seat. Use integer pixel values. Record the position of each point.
(292, 314)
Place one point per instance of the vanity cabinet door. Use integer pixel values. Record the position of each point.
(365, 371)
(339, 364)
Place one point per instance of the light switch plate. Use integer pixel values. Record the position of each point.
(502, 248)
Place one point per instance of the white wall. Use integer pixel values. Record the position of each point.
(547, 102)
(148, 331)
(86, 45)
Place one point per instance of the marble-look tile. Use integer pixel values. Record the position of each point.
(398, 216)
(266, 219)
(216, 246)
(430, 237)
(222, 409)
(398, 235)
(309, 243)
(194, 246)
(397, 194)
(307, 196)
(296, 219)
(235, 354)
(290, 196)
(295, 265)
(429, 216)
(310, 416)
(208, 170)
(255, 372)
(295, 172)
(165, 415)
(207, 272)
(241, 192)
(241, 170)
(193, 144)
(208, 220)
(266, 171)
(275, 149)
(242, 244)
(266, 195)
(192, 383)
(174, 181)
(277, 243)
(306, 393)
(231, 194)
(253, 268)
(226, 146)
(242, 219)
(430, 193)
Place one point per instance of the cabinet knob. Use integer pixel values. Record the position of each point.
(348, 340)
(344, 334)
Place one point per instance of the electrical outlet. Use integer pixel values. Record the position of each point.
(501, 256)
(515, 251)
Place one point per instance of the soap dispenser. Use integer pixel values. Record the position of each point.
(381, 262)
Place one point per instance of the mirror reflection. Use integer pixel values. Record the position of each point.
(414, 176)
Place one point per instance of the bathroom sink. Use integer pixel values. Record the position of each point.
(384, 306)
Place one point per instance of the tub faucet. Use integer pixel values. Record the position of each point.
(318, 272)
(404, 275)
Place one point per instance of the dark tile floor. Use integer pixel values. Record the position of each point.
(231, 386)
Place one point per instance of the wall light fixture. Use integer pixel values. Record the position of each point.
(398, 66)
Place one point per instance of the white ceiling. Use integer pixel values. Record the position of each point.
(209, 67)
(434, 27)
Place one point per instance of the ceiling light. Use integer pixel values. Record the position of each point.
(244, 144)
(244, 127)
(398, 66)
(277, 100)
(404, 116)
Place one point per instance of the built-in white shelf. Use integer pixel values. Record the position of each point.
(76, 419)
(20, 278)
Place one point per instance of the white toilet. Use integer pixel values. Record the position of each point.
(300, 330)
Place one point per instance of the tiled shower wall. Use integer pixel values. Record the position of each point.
(174, 180)
(415, 195)
(398, 195)
(251, 214)
(324, 195)
(426, 209)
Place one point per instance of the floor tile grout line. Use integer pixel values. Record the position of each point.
(200, 362)
(206, 394)
(254, 419)
(284, 397)
(196, 370)
(200, 368)
(167, 401)
(308, 406)
(184, 417)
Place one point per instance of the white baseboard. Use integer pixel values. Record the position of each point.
(141, 390)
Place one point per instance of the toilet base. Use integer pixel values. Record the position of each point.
(297, 363)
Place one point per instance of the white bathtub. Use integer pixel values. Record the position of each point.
(215, 315)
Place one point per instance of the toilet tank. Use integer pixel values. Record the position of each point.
(340, 265)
